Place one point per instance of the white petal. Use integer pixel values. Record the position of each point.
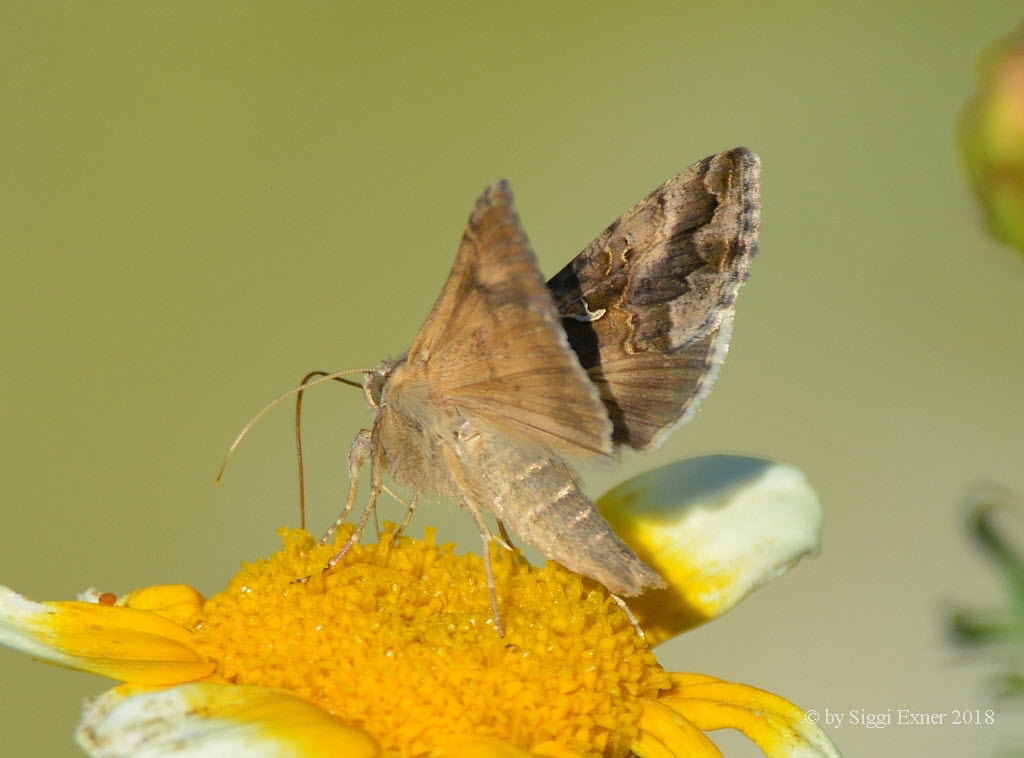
(205, 720)
(716, 527)
(21, 622)
(123, 643)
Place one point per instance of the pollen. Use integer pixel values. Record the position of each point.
(398, 640)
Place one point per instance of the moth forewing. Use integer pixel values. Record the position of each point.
(494, 345)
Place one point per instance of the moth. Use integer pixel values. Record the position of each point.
(512, 380)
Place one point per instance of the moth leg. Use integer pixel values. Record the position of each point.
(336, 558)
(629, 614)
(356, 458)
(485, 533)
(371, 505)
(409, 507)
(408, 514)
(507, 544)
(362, 446)
(356, 534)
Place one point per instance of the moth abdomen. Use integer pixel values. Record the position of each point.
(539, 498)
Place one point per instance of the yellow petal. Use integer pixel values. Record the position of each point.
(122, 643)
(649, 746)
(175, 602)
(661, 726)
(773, 723)
(716, 528)
(204, 720)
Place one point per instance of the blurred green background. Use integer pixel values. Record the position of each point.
(202, 202)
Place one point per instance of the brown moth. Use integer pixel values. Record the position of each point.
(510, 378)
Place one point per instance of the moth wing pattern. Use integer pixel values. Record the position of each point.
(493, 345)
(648, 305)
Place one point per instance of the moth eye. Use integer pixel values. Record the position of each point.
(375, 388)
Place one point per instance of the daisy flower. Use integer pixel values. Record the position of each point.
(393, 653)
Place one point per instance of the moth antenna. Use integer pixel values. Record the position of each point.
(298, 436)
(266, 408)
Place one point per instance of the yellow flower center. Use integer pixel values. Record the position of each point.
(398, 640)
